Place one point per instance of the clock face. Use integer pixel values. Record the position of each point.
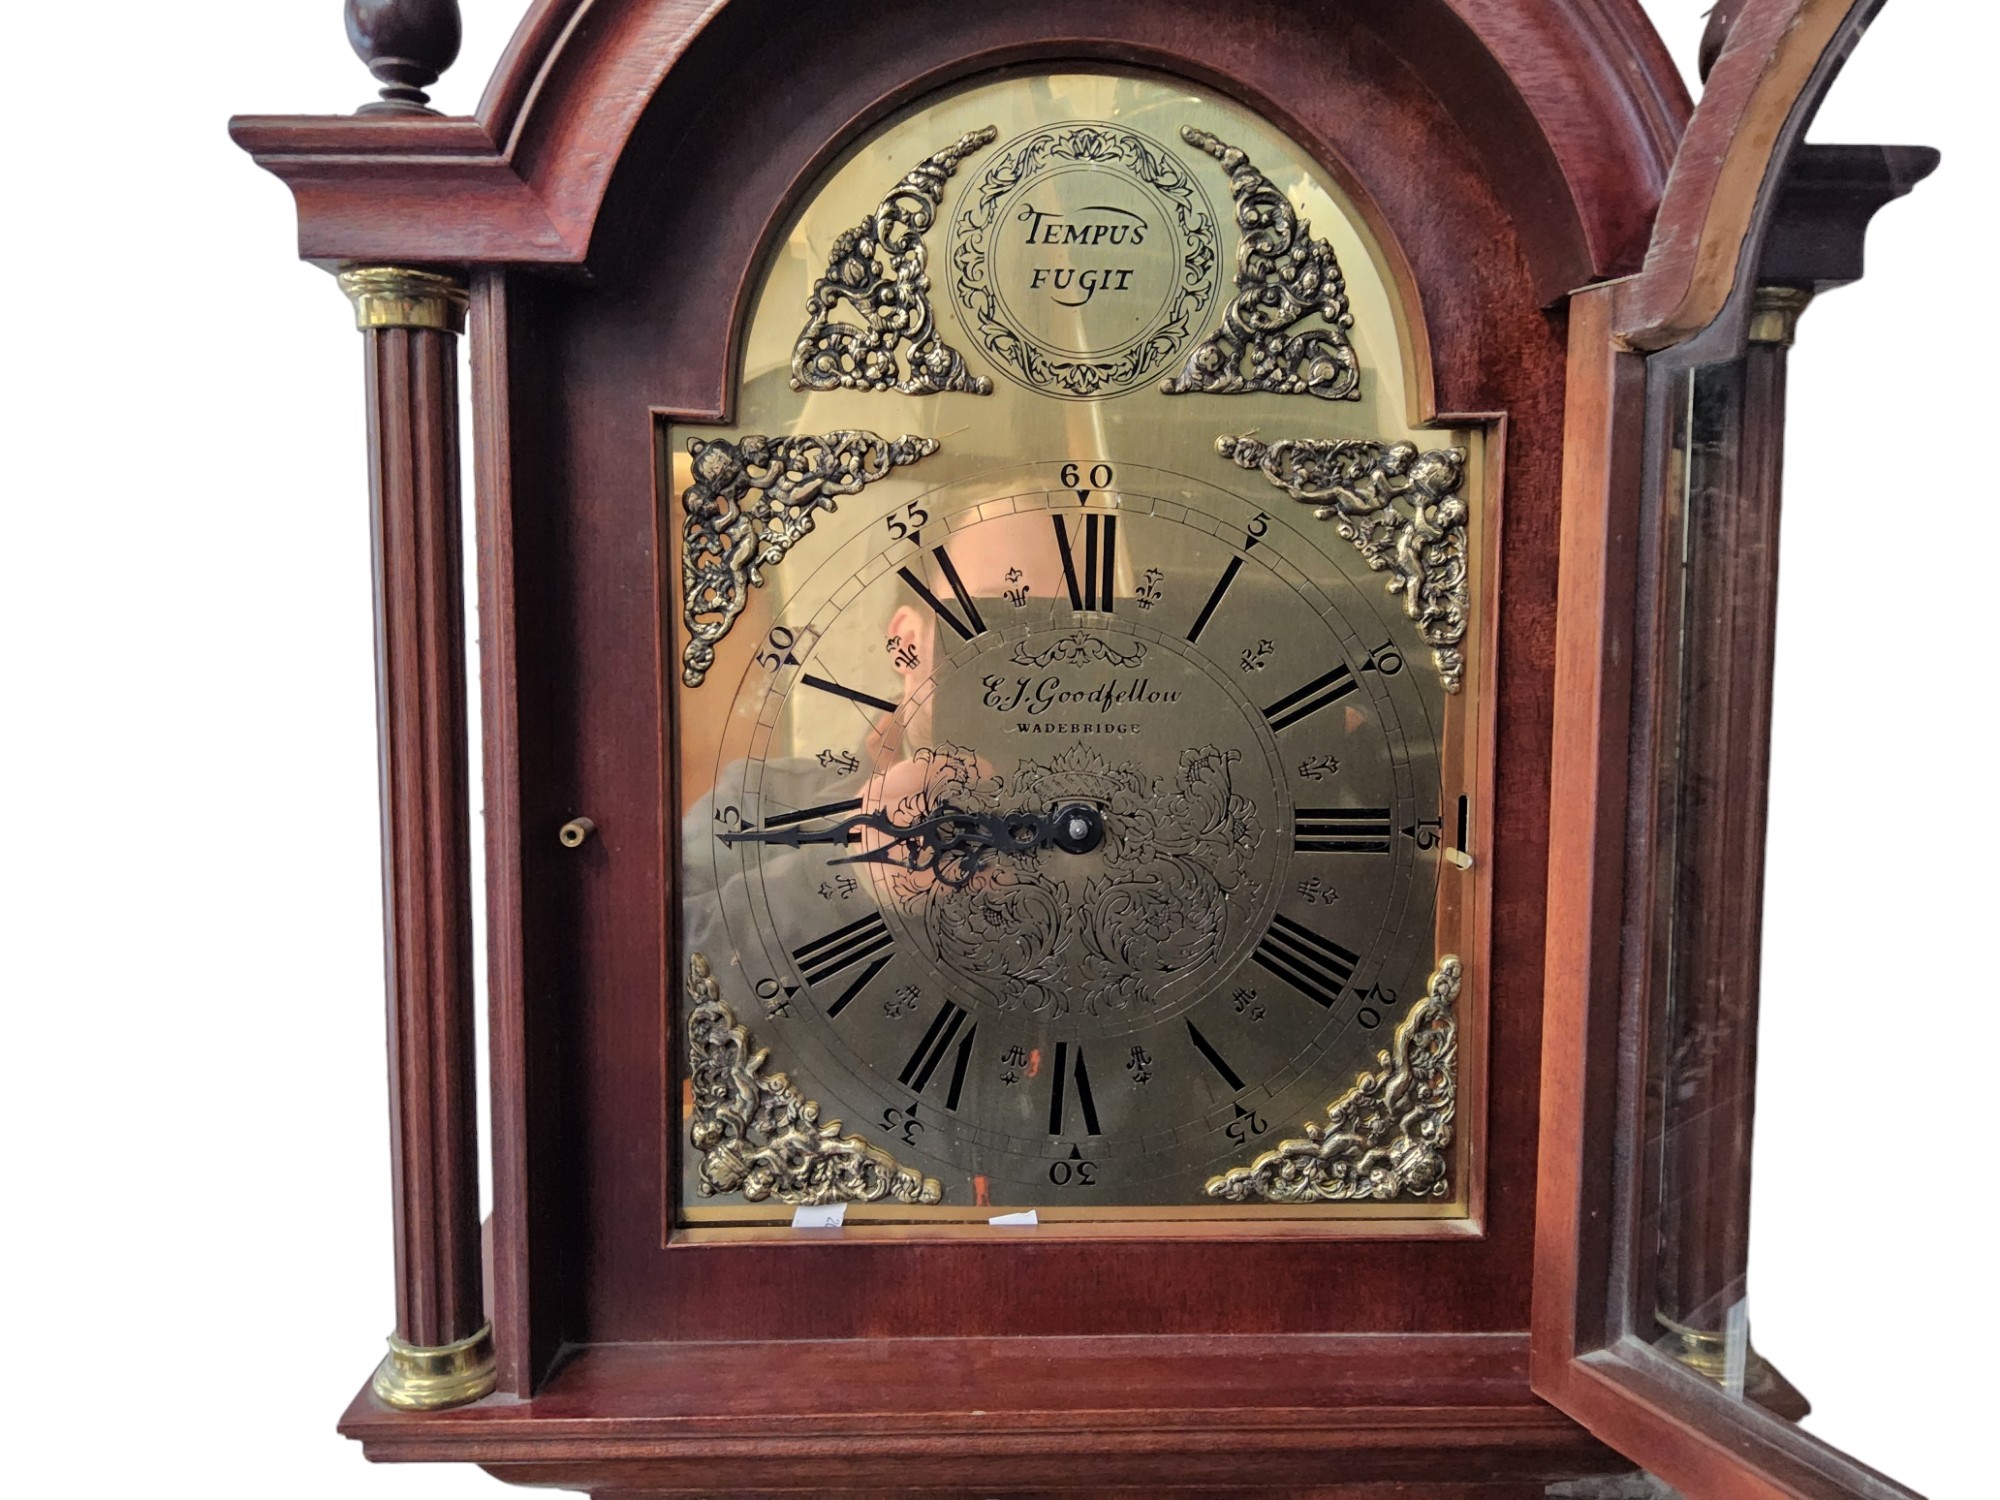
(1079, 663)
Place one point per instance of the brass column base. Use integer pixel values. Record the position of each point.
(411, 1378)
(1707, 1354)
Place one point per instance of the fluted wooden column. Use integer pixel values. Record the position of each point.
(441, 1353)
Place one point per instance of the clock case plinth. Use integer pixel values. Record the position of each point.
(606, 208)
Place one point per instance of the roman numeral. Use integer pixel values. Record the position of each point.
(807, 814)
(1093, 588)
(1309, 699)
(843, 948)
(916, 1074)
(1215, 597)
(853, 695)
(959, 592)
(1065, 1071)
(1207, 1050)
(1341, 830)
(1315, 967)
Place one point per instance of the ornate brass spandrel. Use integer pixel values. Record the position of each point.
(1283, 277)
(880, 268)
(751, 500)
(759, 1136)
(1388, 1136)
(1357, 484)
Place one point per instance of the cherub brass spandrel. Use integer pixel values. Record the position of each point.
(751, 500)
(1356, 485)
(1388, 1136)
(759, 1136)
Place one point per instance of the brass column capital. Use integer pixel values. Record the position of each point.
(399, 297)
(1774, 315)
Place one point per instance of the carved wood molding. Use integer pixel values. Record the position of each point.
(567, 97)
(1766, 82)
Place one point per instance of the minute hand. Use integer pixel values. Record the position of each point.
(798, 835)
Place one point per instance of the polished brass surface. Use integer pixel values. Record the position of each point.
(1105, 321)
(1707, 1354)
(1072, 602)
(576, 832)
(397, 297)
(1774, 314)
(412, 1378)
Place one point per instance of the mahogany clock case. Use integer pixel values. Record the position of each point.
(573, 557)
(687, 217)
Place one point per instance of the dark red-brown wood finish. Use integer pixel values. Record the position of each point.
(1643, 1192)
(412, 388)
(628, 168)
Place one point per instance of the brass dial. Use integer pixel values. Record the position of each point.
(1071, 810)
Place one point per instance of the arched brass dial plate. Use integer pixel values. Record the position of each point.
(1081, 672)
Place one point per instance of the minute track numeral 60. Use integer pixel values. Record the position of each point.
(1095, 477)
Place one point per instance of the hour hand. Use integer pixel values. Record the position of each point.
(954, 846)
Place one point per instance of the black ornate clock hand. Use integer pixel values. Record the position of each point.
(951, 844)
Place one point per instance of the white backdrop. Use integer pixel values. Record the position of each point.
(198, 1256)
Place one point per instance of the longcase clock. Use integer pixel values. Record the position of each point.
(1037, 571)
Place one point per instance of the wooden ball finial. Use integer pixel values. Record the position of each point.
(407, 44)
